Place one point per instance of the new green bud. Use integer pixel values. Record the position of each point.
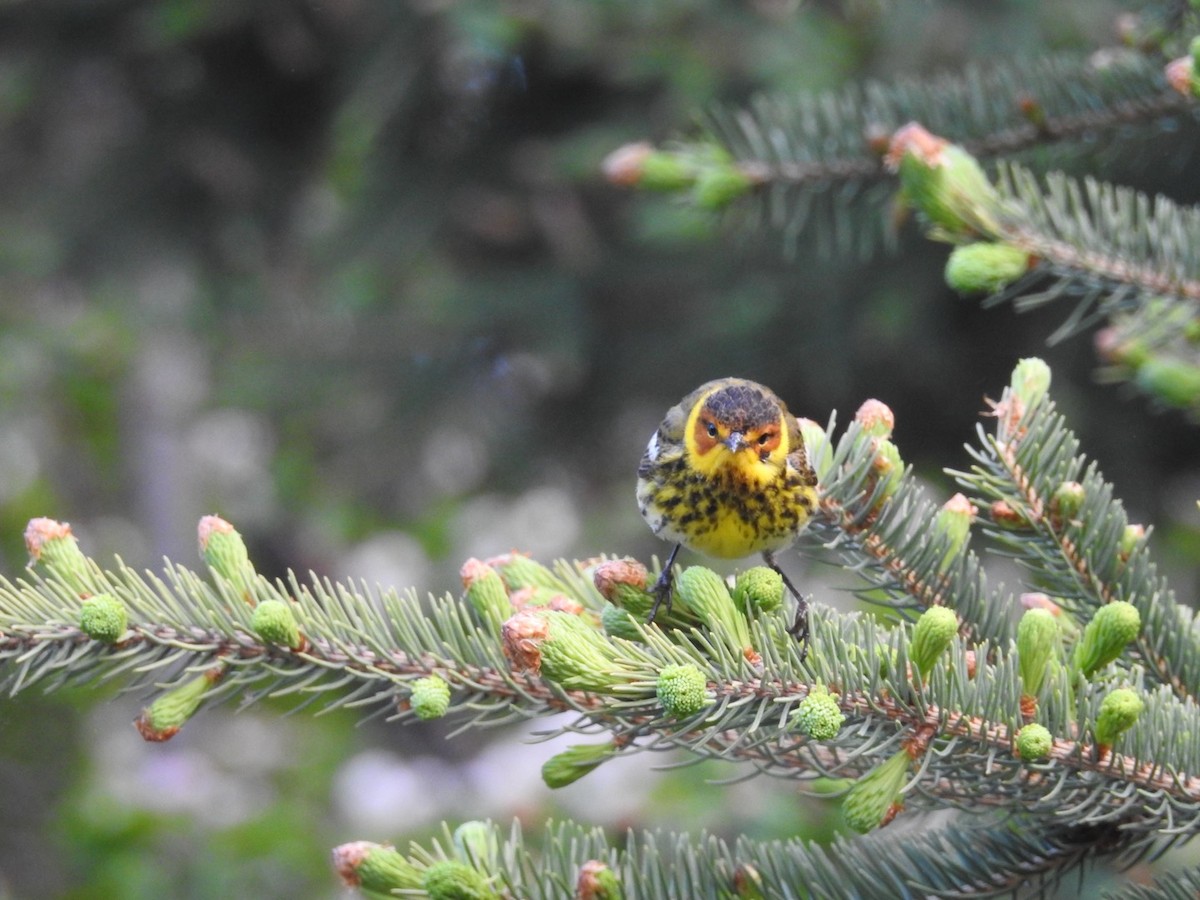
(1034, 742)
(1105, 636)
(703, 592)
(597, 881)
(520, 571)
(103, 618)
(1067, 500)
(875, 418)
(819, 715)
(225, 554)
(888, 468)
(476, 843)
(932, 635)
(954, 521)
(617, 623)
(984, 268)
(622, 582)
(52, 544)
(1119, 710)
(682, 690)
(376, 869)
(1173, 381)
(1037, 645)
(1131, 539)
(869, 802)
(485, 592)
(944, 182)
(1030, 380)
(275, 623)
(163, 718)
(575, 762)
(453, 880)
(720, 185)
(758, 590)
(666, 172)
(564, 648)
(430, 697)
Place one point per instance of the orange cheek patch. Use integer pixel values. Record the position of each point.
(700, 436)
(770, 444)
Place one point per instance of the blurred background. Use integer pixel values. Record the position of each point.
(347, 274)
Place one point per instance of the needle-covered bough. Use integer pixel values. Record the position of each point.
(1060, 721)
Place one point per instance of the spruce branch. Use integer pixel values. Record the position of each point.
(1088, 558)
(1093, 742)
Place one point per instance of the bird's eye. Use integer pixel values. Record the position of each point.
(712, 429)
(763, 438)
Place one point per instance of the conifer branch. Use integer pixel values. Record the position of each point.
(946, 711)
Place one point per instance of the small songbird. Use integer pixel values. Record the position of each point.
(726, 475)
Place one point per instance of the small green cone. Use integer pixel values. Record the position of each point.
(758, 590)
(875, 418)
(486, 593)
(720, 185)
(1131, 539)
(597, 881)
(703, 592)
(888, 467)
(682, 690)
(1105, 636)
(563, 648)
(52, 545)
(1119, 710)
(376, 869)
(622, 582)
(103, 618)
(931, 637)
(575, 762)
(163, 718)
(869, 802)
(617, 623)
(819, 715)
(430, 697)
(666, 172)
(1173, 381)
(1067, 501)
(984, 268)
(1034, 742)
(275, 623)
(1030, 380)
(1037, 645)
(453, 880)
(954, 521)
(224, 552)
(944, 182)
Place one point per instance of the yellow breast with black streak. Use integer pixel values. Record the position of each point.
(726, 473)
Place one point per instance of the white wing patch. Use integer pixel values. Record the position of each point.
(652, 448)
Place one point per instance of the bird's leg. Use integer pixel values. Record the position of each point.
(799, 628)
(662, 587)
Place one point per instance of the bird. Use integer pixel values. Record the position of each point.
(726, 474)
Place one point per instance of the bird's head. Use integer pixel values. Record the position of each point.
(739, 427)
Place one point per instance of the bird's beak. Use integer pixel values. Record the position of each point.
(735, 442)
